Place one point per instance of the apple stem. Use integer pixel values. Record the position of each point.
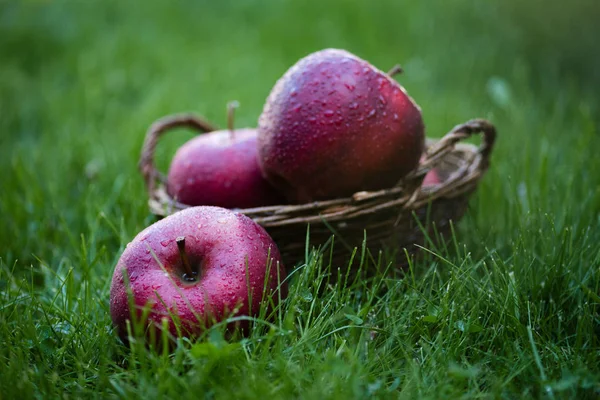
(231, 106)
(189, 275)
(396, 69)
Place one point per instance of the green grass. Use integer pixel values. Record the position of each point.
(511, 310)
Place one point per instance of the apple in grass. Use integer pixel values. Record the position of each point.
(194, 268)
(221, 168)
(334, 125)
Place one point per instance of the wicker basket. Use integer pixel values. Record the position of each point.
(403, 215)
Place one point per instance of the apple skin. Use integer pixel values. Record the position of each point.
(220, 169)
(218, 243)
(334, 125)
(432, 178)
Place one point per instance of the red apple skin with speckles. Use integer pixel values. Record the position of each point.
(220, 169)
(334, 125)
(233, 255)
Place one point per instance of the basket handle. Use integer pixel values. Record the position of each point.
(157, 129)
(463, 131)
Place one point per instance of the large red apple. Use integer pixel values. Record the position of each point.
(220, 169)
(202, 264)
(334, 125)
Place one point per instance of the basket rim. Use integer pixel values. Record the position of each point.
(408, 193)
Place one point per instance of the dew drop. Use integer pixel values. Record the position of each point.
(165, 243)
(371, 113)
(328, 113)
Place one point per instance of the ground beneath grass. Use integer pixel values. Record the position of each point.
(509, 310)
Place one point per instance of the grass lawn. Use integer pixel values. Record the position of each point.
(510, 310)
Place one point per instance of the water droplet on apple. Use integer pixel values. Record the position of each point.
(349, 86)
(190, 278)
(395, 117)
(328, 113)
(382, 100)
(353, 105)
(371, 113)
(165, 243)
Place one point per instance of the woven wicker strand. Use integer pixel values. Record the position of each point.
(388, 215)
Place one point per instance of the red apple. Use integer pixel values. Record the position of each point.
(432, 178)
(334, 125)
(220, 169)
(202, 264)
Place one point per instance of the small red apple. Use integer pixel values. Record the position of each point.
(334, 125)
(202, 265)
(432, 178)
(221, 169)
